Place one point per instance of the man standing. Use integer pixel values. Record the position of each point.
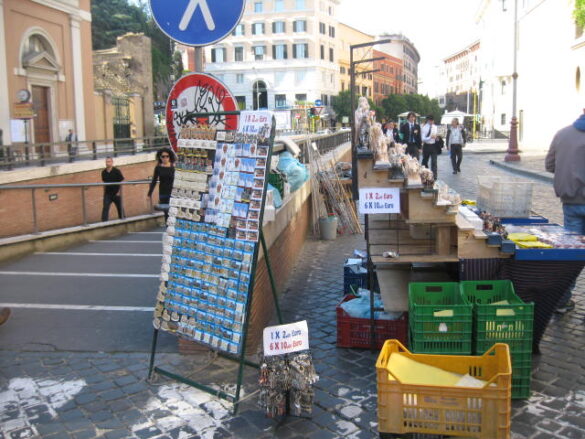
(72, 145)
(410, 131)
(428, 136)
(566, 159)
(111, 192)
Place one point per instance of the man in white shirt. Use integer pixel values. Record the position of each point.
(428, 136)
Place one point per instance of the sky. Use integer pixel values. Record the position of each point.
(437, 28)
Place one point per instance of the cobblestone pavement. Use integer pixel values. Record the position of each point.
(87, 395)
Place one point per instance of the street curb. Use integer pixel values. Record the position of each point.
(533, 174)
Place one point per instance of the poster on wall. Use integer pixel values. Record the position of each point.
(211, 242)
(198, 93)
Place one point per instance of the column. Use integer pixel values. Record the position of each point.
(4, 97)
(76, 57)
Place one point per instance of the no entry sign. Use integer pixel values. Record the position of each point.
(199, 93)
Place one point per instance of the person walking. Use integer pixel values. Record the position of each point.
(392, 132)
(428, 136)
(410, 132)
(456, 136)
(566, 159)
(164, 173)
(71, 138)
(112, 192)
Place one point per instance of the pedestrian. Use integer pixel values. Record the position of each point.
(4, 315)
(410, 131)
(112, 192)
(392, 132)
(566, 159)
(71, 148)
(428, 136)
(164, 173)
(456, 136)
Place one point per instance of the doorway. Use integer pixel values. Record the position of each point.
(260, 95)
(40, 101)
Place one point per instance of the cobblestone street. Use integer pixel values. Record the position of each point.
(94, 394)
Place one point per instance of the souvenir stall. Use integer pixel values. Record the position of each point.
(495, 273)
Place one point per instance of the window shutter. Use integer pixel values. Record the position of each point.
(212, 55)
(274, 27)
(306, 50)
(294, 51)
(224, 50)
(285, 51)
(263, 28)
(274, 51)
(284, 26)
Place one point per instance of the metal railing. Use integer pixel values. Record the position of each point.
(86, 205)
(42, 154)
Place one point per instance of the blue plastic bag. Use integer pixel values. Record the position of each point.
(296, 173)
(275, 196)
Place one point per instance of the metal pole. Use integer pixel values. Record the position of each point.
(354, 163)
(271, 277)
(83, 205)
(513, 154)
(152, 353)
(34, 212)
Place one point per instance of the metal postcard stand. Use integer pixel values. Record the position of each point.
(241, 359)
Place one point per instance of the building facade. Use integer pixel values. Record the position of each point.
(282, 55)
(364, 82)
(45, 52)
(541, 109)
(461, 79)
(388, 78)
(402, 48)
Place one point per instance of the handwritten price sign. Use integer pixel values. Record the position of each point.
(285, 339)
(379, 200)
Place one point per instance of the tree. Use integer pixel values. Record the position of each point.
(342, 105)
(579, 12)
(393, 105)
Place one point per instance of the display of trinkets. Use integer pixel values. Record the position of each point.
(287, 381)
(210, 243)
(492, 224)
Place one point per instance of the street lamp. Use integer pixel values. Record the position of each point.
(513, 154)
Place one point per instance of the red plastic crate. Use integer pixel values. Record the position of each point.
(353, 332)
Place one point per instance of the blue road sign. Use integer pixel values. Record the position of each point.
(318, 102)
(197, 22)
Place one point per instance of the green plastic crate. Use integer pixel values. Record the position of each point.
(511, 323)
(440, 319)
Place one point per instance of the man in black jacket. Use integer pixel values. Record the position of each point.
(112, 192)
(410, 131)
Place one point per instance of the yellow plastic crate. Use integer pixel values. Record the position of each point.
(454, 411)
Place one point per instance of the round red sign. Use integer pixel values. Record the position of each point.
(199, 93)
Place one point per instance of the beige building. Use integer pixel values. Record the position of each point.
(461, 79)
(349, 36)
(402, 48)
(45, 51)
(124, 88)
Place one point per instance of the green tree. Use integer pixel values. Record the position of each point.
(579, 12)
(342, 105)
(393, 105)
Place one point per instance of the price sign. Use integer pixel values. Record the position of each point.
(285, 339)
(379, 200)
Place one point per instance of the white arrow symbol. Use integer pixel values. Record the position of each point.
(188, 15)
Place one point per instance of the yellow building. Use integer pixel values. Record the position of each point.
(46, 59)
(349, 36)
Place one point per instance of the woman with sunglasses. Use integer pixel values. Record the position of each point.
(164, 172)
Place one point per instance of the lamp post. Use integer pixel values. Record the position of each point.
(513, 154)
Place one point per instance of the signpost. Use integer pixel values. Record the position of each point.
(195, 94)
(197, 22)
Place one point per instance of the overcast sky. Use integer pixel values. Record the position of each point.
(436, 27)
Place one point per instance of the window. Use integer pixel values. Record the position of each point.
(218, 54)
(364, 91)
(299, 4)
(342, 70)
(280, 101)
(300, 26)
(301, 98)
(300, 77)
(258, 7)
(279, 5)
(331, 32)
(331, 54)
(331, 78)
(259, 52)
(278, 27)
(342, 86)
(279, 78)
(322, 28)
(300, 50)
(220, 76)
(279, 51)
(503, 88)
(239, 78)
(239, 30)
(503, 119)
(258, 29)
(241, 100)
(322, 51)
(238, 53)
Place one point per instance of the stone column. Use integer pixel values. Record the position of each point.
(4, 96)
(76, 57)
